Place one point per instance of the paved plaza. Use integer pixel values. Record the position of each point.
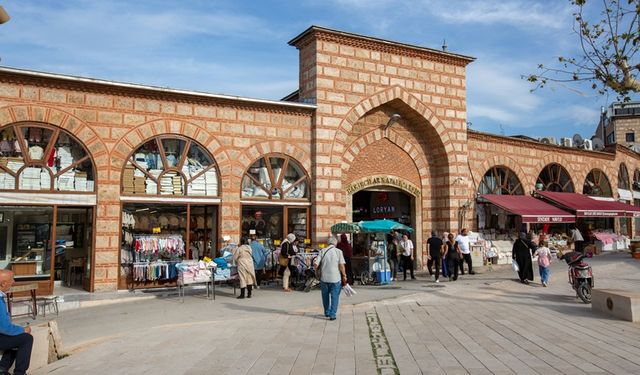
(482, 324)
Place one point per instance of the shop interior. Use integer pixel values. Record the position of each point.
(155, 237)
(371, 204)
(27, 249)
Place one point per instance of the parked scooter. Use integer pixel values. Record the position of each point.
(580, 275)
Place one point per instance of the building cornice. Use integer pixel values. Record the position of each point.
(382, 45)
(83, 84)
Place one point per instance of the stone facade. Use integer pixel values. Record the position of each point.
(355, 84)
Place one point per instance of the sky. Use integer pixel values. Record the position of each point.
(239, 47)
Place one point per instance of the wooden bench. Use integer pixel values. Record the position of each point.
(619, 303)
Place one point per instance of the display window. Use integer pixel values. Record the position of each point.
(597, 184)
(555, 178)
(170, 166)
(269, 223)
(36, 157)
(275, 177)
(500, 180)
(623, 177)
(157, 237)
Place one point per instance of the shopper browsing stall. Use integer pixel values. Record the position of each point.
(287, 252)
(259, 258)
(244, 260)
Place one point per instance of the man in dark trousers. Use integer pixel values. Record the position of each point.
(435, 246)
(16, 341)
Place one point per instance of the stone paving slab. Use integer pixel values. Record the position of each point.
(483, 324)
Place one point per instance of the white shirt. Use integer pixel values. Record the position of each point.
(329, 259)
(408, 248)
(463, 241)
(576, 235)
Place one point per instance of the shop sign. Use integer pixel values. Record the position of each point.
(600, 214)
(375, 181)
(549, 219)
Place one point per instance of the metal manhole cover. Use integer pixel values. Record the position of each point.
(433, 286)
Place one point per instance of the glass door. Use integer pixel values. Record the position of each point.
(73, 247)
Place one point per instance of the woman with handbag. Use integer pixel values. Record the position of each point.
(287, 252)
(521, 253)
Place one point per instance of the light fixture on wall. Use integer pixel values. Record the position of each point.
(392, 120)
(4, 16)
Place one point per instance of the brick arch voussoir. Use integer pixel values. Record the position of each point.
(383, 97)
(135, 137)
(251, 154)
(562, 161)
(63, 120)
(527, 183)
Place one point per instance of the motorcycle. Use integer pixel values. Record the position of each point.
(580, 275)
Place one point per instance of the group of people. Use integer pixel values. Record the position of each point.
(449, 255)
(522, 252)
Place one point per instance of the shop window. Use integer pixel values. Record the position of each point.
(275, 177)
(170, 166)
(597, 184)
(555, 178)
(272, 223)
(636, 180)
(500, 180)
(38, 157)
(623, 177)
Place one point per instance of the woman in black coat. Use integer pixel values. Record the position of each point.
(522, 252)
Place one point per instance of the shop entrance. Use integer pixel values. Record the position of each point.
(57, 259)
(383, 203)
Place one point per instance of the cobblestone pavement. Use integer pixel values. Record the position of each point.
(481, 324)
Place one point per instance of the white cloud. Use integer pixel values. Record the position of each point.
(584, 115)
(517, 13)
(491, 112)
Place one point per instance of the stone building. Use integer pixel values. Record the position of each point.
(98, 177)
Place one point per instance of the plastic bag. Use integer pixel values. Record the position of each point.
(515, 266)
(348, 290)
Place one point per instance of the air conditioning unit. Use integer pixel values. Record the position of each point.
(587, 144)
(548, 140)
(566, 142)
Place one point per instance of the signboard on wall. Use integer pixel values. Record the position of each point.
(377, 181)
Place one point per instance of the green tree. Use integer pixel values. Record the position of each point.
(608, 59)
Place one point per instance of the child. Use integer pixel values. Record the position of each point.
(544, 261)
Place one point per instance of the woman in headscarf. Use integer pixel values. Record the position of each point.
(347, 253)
(287, 252)
(522, 252)
(243, 258)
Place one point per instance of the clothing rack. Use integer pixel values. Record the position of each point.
(154, 246)
(152, 271)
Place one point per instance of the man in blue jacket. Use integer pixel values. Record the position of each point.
(259, 254)
(15, 340)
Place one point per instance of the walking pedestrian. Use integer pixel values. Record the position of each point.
(243, 258)
(347, 252)
(435, 250)
(407, 256)
(392, 251)
(463, 241)
(259, 259)
(287, 252)
(522, 251)
(544, 261)
(453, 256)
(577, 239)
(331, 266)
(15, 341)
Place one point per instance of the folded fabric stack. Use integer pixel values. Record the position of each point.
(211, 178)
(152, 186)
(90, 186)
(14, 163)
(6, 180)
(177, 185)
(127, 178)
(30, 179)
(166, 183)
(66, 180)
(64, 154)
(45, 179)
(81, 181)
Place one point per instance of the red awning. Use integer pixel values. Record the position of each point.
(585, 206)
(531, 209)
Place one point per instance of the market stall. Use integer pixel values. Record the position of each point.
(369, 261)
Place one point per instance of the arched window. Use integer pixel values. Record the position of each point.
(636, 180)
(597, 184)
(170, 165)
(35, 156)
(623, 177)
(275, 177)
(555, 178)
(501, 180)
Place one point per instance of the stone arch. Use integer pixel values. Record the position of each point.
(64, 120)
(251, 154)
(141, 133)
(557, 158)
(607, 180)
(623, 182)
(605, 168)
(382, 97)
(528, 182)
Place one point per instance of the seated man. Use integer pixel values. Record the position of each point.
(16, 341)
